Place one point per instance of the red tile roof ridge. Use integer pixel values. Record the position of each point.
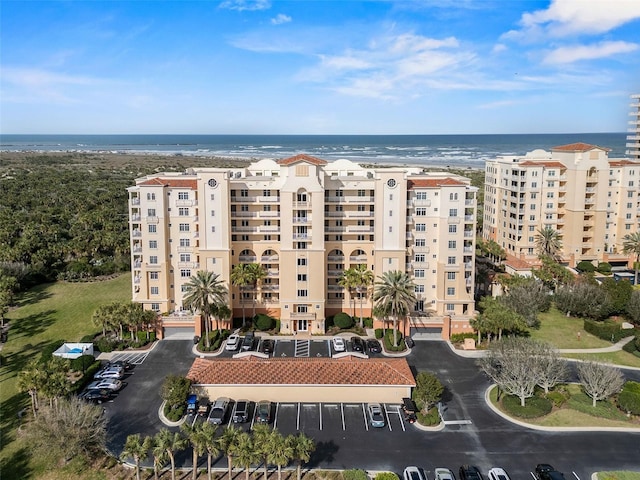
(302, 157)
(544, 163)
(578, 147)
(433, 182)
(172, 182)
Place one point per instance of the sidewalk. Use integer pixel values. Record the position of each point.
(613, 348)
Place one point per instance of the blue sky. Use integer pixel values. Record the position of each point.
(318, 67)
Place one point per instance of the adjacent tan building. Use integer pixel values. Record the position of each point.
(589, 199)
(305, 221)
(633, 139)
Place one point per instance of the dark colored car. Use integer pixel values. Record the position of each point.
(267, 346)
(192, 404)
(247, 341)
(96, 396)
(357, 345)
(544, 471)
(373, 346)
(241, 413)
(263, 411)
(409, 410)
(219, 410)
(121, 364)
(470, 472)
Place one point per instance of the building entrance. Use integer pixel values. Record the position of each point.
(302, 326)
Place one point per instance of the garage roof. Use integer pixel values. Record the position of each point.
(302, 371)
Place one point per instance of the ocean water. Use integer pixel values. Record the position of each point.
(436, 150)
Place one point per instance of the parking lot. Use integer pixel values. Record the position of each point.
(304, 348)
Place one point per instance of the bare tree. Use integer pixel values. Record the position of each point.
(509, 364)
(599, 381)
(550, 368)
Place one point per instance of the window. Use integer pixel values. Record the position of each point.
(153, 228)
(419, 257)
(549, 205)
(421, 212)
(534, 184)
(451, 275)
(184, 227)
(418, 273)
(532, 228)
(420, 242)
(151, 212)
(155, 291)
(451, 291)
(302, 277)
(266, 193)
(629, 194)
(151, 196)
(549, 195)
(213, 213)
(361, 193)
(183, 195)
(155, 307)
(551, 184)
(302, 292)
(629, 205)
(418, 289)
(185, 273)
(185, 242)
(453, 212)
(153, 244)
(451, 260)
(244, 193)
(302, 262)
(153, 275)
(421, 227)
(452, 244)
(453, 196)
(453, 228)
(185, 257)
(421, 195)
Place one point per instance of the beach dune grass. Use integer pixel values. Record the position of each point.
(44, 315)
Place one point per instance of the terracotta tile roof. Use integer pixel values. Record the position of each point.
(578, 147)
(517, 264)
(302, 371)
(172, 182)
(544, 163)
(433, 183)
(622, 163)
(302, 158)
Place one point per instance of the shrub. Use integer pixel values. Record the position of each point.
(534, 407)
(142, 337)
(214, 338)
(368, 323)
(633, 345)
(105, 344)
(460, 337)
(585, 266)
(88, 338)
(557, 398)
(431, 418)
(355, 474)
(629, 398)
(175, 390)
(604, 268)
(386, 476)
(343, 320)
(606, 330)
(174, 413)
(263, 322)
(379, 333)
(388, 341)
(47, 351)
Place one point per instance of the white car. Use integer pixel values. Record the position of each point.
(444, 474)
(112, 384)
(413, 473)
(233, 342)
(110, 372)
(497, 473)
(338, 344)
(376, 416)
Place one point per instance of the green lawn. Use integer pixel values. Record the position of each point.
(618, 475)
(562, 331)
(45, 314)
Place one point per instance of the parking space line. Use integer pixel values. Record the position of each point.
(298, 418)
(366, 420)
(533, 475)
(386, 414)
(342, 413)
(397, 412)
(275, 420)
(575, 475)
(320, 411)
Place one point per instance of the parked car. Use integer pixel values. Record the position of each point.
(469, 472)
(192, 404)
(233, 342)
(96, 395)
(110, 372)
(268, 346)
(338, 344)
(413, 473)
(497, 473)
(376, 417)
(112, 384)
(444, 474)
(219, 410)
(409, 410)
(544, 471)
(203, 409)
(122, 364)
(247, 341)
(373, 346)
(357, 344)
(241, 413)
(263, 411)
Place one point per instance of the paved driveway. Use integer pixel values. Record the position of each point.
(474, 433)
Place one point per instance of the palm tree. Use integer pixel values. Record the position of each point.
(245, 452)
(262, 443)
(303, 447)
(347, 280)
(208, 433)
(227, 443)
(136, 448)
(159, 454)
(203, 290)
(256, 274)
(240, 277)
(172, 442)
(631, 244)
(395, 294)
(31, 381)
(220, 311)
(548, 242)
(362, 279)
(280, 451)
(193, 432)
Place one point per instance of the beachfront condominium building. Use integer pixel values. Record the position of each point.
(305, 221)
(589, 199)
(633, 139)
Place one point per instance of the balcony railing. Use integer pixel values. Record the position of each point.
(186, 203)
(152, 219)
(269, 259)
(336, 258)
(358, 258)
(135, 201)
(247, 258)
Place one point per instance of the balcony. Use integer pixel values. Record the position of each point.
(270, 287)
(452, 220)
(269, 259)
(185, 249)
(468, 250)
(335, 273)
(186, 203)
(358, 258)
(269, 199)
(359, 229)
(244, 214)
(269, 229)
(304, 205)
(302, 220)
(137, 265)
(335, 288)
(247, 258)
(136, 250)
(188, 265)
(244, 229)
(135, 201)
(303, 315)
(244, 199)
(469, 218)
(349, 199)
(468, 234)
(273, 272)
(336, 258)
(152, 219)
(136, 280)
(136, 234)
(135, 218)
(468, 266)
(301, 236)
(335, 229)
(268, 214)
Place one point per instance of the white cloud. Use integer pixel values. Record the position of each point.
(575, 53)
(573, 17)
(280, 19)
(242, 5)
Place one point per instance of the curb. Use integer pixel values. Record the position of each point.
(166, 421)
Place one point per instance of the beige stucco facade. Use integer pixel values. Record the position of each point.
(305, 221)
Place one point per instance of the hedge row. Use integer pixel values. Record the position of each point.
(629, 398)
(534, 407)
(216, 337)
(606, 330)
(105, 344)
